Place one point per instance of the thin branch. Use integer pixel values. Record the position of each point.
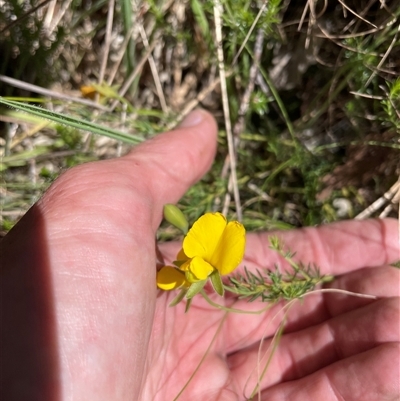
(117, 63)
(154, 71)
(253, 25)
(49, 15)
(194, 102)
(384, 56)
(107, 41)
(354, 13)
(225, 104)
(134, 73)
(27, 14)
(47, 92)
(244, 106)
(303, 16)
(362, 13)
(385, 198)
(60, 15)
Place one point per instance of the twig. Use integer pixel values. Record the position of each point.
(391, 195)
(154, 71)
(47, 92)
(49, 15)
(390, 99)
(386, 211)
(263, 195)
(326, 34)
(225, 104)
(244, 106)
(134, 74)
(29, 133)
(362, 13)
(60, 16)
(250, 32)
(354, 13)
(117, 63)
(107, 43)
(27, 14)
(303, 16)
(367, 96)
(313, 19)
(384, 57)
(194, 102)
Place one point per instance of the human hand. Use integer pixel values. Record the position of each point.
(79, 271)
(84, 322)
(334, 347)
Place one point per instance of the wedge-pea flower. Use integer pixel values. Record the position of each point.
(212, 247)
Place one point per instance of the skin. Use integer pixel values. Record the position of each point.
(82, 318)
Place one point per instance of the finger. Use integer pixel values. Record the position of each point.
(336, 248)
(381, 282)
(174, 161)
(370, 376)
(156, 172)
(302, 353)
(81, 268)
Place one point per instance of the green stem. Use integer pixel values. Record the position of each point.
(234, 310)
(203, 358)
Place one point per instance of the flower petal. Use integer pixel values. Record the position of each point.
(204, 236)
(200, 268)
(181, 256)
(181, 259)
(230, 249)
(169, 278)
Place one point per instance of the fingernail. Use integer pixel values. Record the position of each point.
(192, 119)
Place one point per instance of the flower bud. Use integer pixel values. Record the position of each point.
(175, 217)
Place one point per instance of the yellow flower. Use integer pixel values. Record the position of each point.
(211, 245)
(170, 277)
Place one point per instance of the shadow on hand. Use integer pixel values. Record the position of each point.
(29, 359)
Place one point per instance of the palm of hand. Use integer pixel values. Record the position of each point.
(101, 332)
(331, 342)
(112, 324)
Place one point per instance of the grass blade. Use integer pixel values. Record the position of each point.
(72, 121)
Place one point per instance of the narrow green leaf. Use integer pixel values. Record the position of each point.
(195, 288)
(179, 297)
(200, 18)
(71, 121)
(188, 303)
(217, 282)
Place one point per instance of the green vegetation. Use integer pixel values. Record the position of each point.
(313, 95)
(273, 286)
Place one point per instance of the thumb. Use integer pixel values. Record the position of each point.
(88, 255)
(154, 173)
(177, 159)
